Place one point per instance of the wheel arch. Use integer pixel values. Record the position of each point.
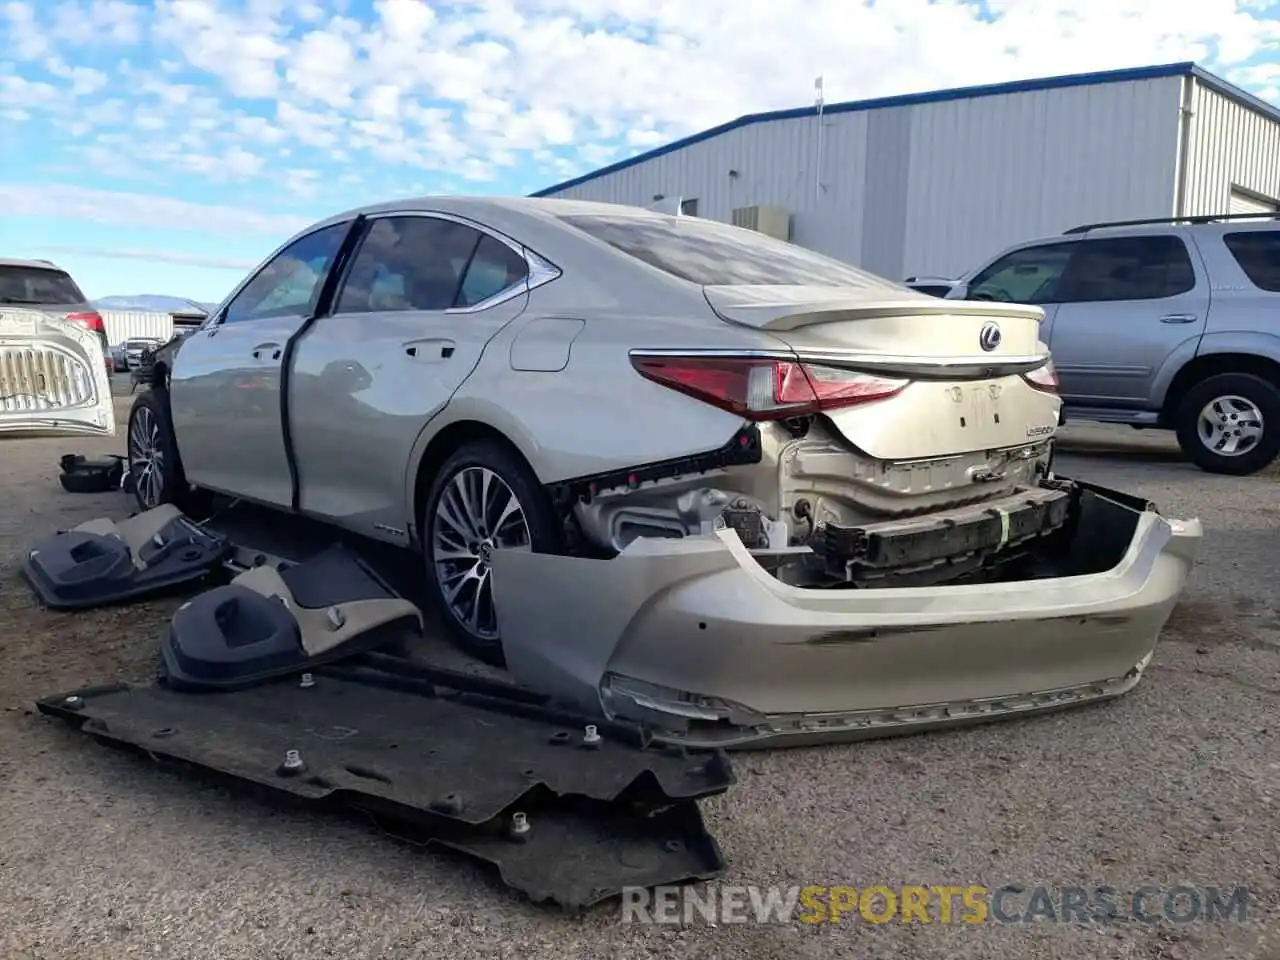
(435, 447)
(1207, 365)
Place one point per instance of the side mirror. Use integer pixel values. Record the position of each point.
(959, 291)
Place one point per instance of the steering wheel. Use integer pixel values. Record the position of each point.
(995, 294)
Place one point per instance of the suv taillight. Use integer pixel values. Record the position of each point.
(90, 320)
(1043, 378)
(765, 389)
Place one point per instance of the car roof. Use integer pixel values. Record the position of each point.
(1262, 222)
(480, 208)
(31, 264)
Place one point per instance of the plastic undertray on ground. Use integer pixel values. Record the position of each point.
(104, 562)
(276, 619)
(456, 761)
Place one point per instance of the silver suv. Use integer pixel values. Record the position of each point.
(1172, 324)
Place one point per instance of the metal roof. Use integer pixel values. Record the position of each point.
(1130, 75)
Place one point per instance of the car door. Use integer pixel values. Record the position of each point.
(225, 382)
(1127, 303)
(423, 296)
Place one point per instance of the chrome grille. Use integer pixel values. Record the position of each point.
(38, 378)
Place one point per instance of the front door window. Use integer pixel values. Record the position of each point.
(289, 285)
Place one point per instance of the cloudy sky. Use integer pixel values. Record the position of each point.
(187, 138)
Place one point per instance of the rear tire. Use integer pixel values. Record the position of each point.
(153, 461)
(484, 498)
(1230, 424)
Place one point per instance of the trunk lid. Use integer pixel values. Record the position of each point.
(964, 360)
(881, 330)
(53, 379)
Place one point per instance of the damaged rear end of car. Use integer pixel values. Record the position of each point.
(882, 547)
(53, 377)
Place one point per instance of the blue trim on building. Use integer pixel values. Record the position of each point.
(1232, 92)
(1130, 75)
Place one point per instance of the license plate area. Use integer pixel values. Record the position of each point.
(979, 405)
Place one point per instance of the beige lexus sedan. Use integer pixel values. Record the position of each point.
(673, 471)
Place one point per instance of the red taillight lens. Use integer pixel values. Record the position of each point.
(764, 389)
(1043, 378)
(91, 320)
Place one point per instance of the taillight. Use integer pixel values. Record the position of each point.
(90, 320)
(1043, 378)
(765, 389)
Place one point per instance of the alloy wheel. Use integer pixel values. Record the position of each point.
(146, 459)
(1230, 426)
(477, 514)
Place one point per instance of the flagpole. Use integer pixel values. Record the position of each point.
(817, 176)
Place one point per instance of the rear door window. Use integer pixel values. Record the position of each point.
(427, 264)
(1029, 275)
(1258, 253)
(38, 286)
(1128, 268)
(715, 254)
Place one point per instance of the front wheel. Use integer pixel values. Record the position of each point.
(154, 466)
(1230, 424)
(484, 499)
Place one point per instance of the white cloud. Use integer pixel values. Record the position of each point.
(137, 209)
(471, 88)
(17, 92)
(81, 81)
(99, 21)
(25, 39)
(156, 256)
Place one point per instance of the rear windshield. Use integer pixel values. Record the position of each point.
(36, 285)
(711, 254)
(1258, 253)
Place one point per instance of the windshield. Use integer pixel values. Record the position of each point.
(37, 285)
(712, 254)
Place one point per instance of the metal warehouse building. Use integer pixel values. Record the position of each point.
(933, 183)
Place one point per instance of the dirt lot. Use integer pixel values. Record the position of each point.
(1178, 783)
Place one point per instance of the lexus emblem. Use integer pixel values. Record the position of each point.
(989, 336)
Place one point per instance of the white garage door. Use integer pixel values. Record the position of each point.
(1244, 203)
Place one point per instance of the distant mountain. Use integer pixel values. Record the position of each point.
(151, 301)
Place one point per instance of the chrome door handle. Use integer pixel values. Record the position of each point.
(1179, 318)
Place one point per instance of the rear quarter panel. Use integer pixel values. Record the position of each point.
(1239, 311)
(596, 414)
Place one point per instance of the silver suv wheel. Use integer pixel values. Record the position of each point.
(1230, 426)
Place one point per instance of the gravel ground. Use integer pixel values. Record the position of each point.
(105, 856)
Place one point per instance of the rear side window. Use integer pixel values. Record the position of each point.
(36, 285)
(425, 263)
(1258, 253)
(1128, 268)
(714, 254)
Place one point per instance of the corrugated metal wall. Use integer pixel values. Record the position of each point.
(765, 163)
(1231, 145)
(995, 171)
(935, 187)
(125, 325)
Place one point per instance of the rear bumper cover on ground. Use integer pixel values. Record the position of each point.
(694, 637)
